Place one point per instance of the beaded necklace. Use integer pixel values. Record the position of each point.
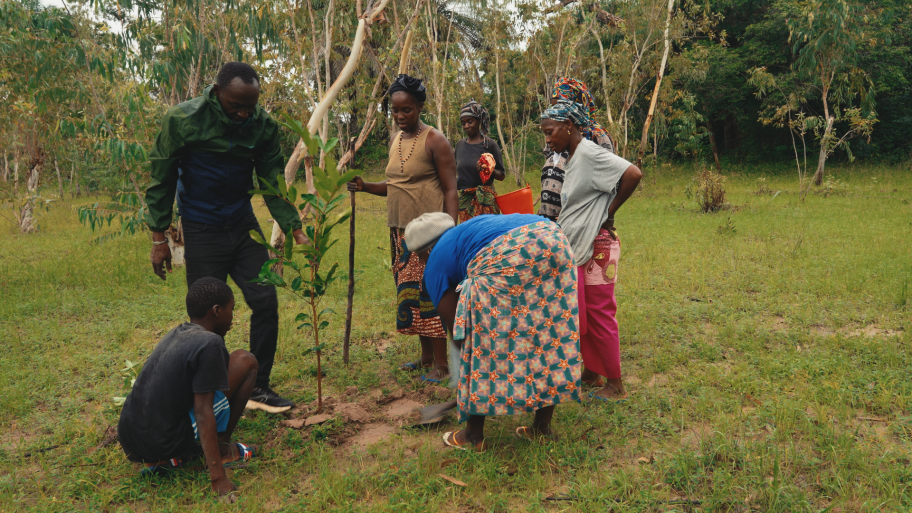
(414, 143)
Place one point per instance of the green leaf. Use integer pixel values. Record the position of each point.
(335, 202)
(272, 190)
(255, 235)
(289, 244)
(268, 276)
(323, 324)
(296, 284)
(347, 177)
(327, 311)
(303, 316)
(312, 199)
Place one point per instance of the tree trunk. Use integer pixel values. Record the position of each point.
(332, 92)
(16, 171)
(175, 237)
(712, 143)
(5, 168)
(26, 215)
(655, 92)
(74, 182)
(503, 146)
(346, 340)
(59, 180)
(821, 162)
(604, 77)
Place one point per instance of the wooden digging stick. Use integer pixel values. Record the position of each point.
(351, 280)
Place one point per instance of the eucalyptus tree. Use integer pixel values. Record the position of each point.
(828, 36)
(41, 63)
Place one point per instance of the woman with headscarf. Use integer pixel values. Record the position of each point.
(555, 162)
(505, 287)
(420, 178)
(476, 191)
(596, 184)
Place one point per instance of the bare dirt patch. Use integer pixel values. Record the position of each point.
(18, 440)
(871, 331)
(353, 412)
(657, 380)
(371, 434)
(778, 323)
(401, 408)
(822, 331)
(695, 434)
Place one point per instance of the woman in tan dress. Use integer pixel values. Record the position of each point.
(420, 178)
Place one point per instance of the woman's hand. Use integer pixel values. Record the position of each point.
(356, 185)
(359, 185)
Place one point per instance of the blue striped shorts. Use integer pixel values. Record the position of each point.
(222, 412)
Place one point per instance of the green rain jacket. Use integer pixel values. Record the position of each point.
(197, 143)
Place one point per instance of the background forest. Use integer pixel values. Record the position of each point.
(745, 81)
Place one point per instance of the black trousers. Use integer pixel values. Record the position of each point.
(222, 251)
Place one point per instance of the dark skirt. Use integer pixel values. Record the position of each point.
(415, 313)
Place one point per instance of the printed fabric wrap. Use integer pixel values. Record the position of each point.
(517, 315)
(571, 89)
(478, 112)
(415, 312)
(476, 201)
(566, 109)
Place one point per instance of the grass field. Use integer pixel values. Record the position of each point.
(766, 350)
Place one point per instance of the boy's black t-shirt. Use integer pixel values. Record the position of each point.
(155, 421)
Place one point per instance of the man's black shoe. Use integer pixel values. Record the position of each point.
(267, 400)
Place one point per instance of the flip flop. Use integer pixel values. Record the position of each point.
(526, 433)
(607, 400)
(432, 380)
(411, 366)
(157, 469)
(245, 452)
(451, 435)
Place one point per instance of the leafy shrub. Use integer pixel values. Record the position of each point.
(708, 190)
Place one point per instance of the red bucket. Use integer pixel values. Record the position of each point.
(516, 202)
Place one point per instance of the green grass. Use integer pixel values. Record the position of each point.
(766, 349)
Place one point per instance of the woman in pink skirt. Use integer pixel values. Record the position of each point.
(596, 183)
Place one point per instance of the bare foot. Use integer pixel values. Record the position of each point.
(613, 389)
(228, 452)
(439, 373)
(536, 435)
(462, 438)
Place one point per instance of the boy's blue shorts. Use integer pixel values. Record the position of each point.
(222, 412)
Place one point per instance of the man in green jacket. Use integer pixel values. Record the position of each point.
(207, 153)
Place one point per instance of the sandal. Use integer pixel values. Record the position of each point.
(527, 433)
(434, 381)
(157, 469)
(413, 366)
(449, 438)
(245, 452)
(617, 400)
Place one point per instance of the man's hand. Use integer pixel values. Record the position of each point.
(356, 185)
(299, 236)
(222, 485)
(161, 255)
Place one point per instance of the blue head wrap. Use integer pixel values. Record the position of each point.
(566, 109)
